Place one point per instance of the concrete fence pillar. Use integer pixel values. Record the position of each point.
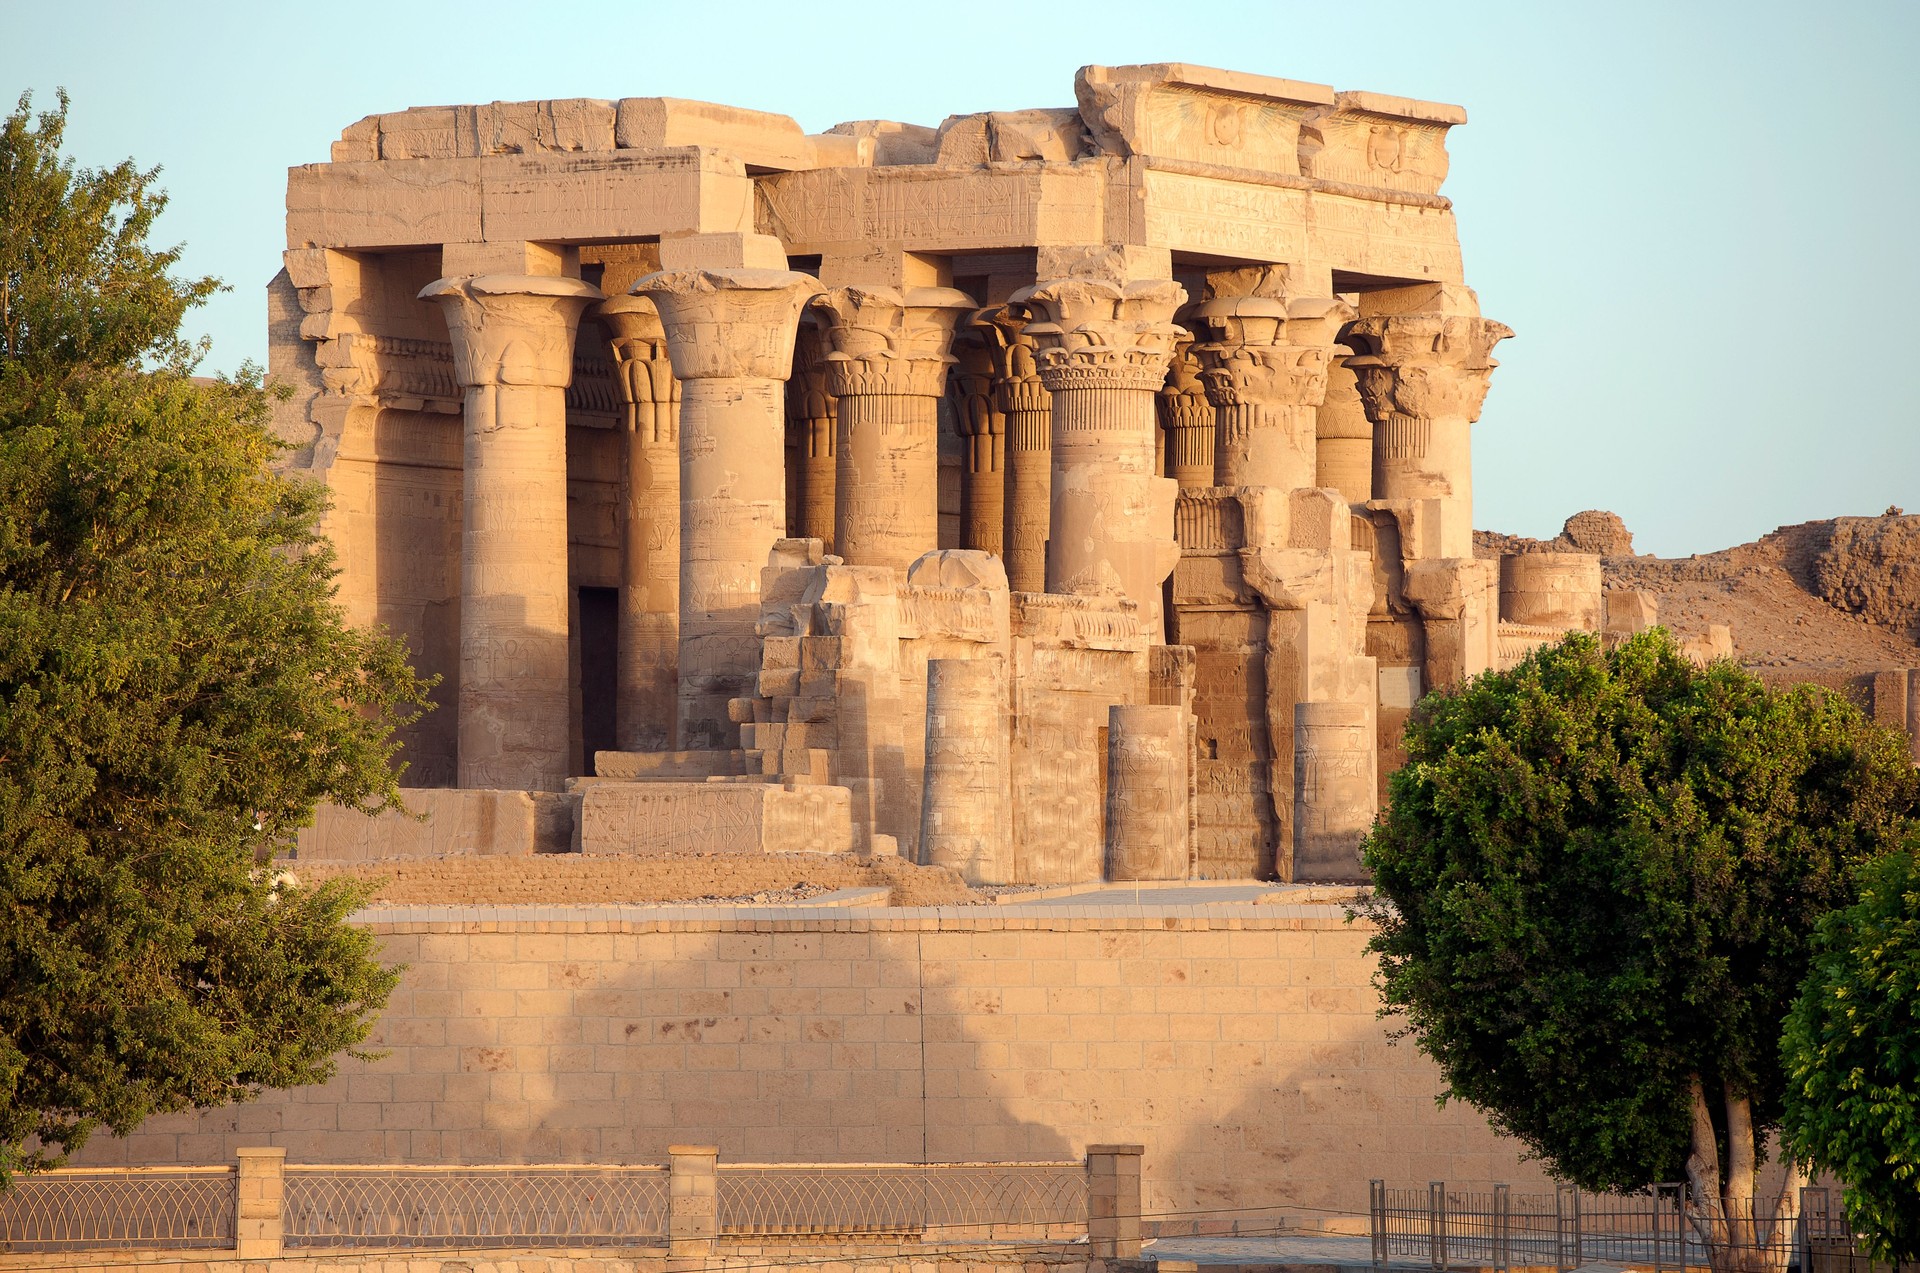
(693, 1213)
(259, 1222)
(1113, 1201)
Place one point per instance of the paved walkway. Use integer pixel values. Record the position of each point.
(1277, 1251)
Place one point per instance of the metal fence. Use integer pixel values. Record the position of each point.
(151, 1208)
(391, 1206)
(1448, 1228)
(1027, 1200)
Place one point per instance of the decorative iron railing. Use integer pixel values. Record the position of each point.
(1044, 1200)
(91, 1208)
(389, 1206)
(1448, 1228)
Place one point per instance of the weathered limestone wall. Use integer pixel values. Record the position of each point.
(1241, 1049)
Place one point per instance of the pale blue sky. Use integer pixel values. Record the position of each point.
(1700, 218)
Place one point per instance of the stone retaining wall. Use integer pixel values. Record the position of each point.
(1238, 1044)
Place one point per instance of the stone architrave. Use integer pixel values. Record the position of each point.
(1187, 422)
(812, 410)
(1147, 815)
(964, 822)
(1334, 789)
(1103, 350)
(1422, 378)
(887, 369)
(1266, 374)
(647, 683)
(730, 335)
(513, 340)
(982, 422)
(1345, 451)
(1028, 409)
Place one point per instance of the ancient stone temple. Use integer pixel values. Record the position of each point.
(1055, 494)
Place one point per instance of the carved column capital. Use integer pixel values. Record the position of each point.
(729, 324)
(512, 329)
(1267, 350)
(890, 342)
(1424, 366)
(643, 369)
(1093, 334)
(1016, 369)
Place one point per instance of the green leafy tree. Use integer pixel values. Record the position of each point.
(1597, 885)
(178, 689)
(1852, 1053)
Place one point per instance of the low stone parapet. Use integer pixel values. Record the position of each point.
(669, 818)
(473, 823)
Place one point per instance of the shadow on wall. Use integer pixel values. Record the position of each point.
(596, 1047)
(1247, 1061)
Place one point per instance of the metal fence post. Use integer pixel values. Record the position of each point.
(1113, 1201)
(693, 1210)
(1502, 1210)
(1377, 1219)
(259, 1222)
(1437, 1223)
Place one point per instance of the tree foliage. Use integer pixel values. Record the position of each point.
(1852, 1052)
(1597, 884)
(178, 689)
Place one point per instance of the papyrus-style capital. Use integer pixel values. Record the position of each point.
(1092, 334)
(890, 342)
(1268, 351)
(1016, 369)
(643, 371)
(726, 324)
(1424, 366)
(512, 329)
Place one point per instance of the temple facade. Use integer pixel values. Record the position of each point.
(1054, 494)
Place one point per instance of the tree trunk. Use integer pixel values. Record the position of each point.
(1743, 1234)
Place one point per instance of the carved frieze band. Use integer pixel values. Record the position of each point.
(418, 375)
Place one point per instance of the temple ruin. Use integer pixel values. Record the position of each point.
(1055, 495)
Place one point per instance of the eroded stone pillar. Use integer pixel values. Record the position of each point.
(1265, 369)
(1028, 408)
(1333, 789)
(1422, 378)
(513, 355)
(812, 411)
(887, 370)
(1147, 749)
(964, 822)
(982, 421)
(1187, 421)
(647, 682)
(1103, 350)
(1345, 453)
(730, 335)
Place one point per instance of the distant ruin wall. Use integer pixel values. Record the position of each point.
(1240, 1048)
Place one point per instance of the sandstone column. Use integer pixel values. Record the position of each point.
(1422, 378)
(513, 354)
(730, 336)
(812, 409)
(1103, 350)
(1266, 373)
(887, 369)
(650, 540)
(1345, 451)
(964, 822)
(1334, 789)
(1147, 749)
(1029, 447)
(1186, 417)
(983, 432)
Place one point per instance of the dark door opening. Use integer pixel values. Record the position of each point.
(599, 669)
